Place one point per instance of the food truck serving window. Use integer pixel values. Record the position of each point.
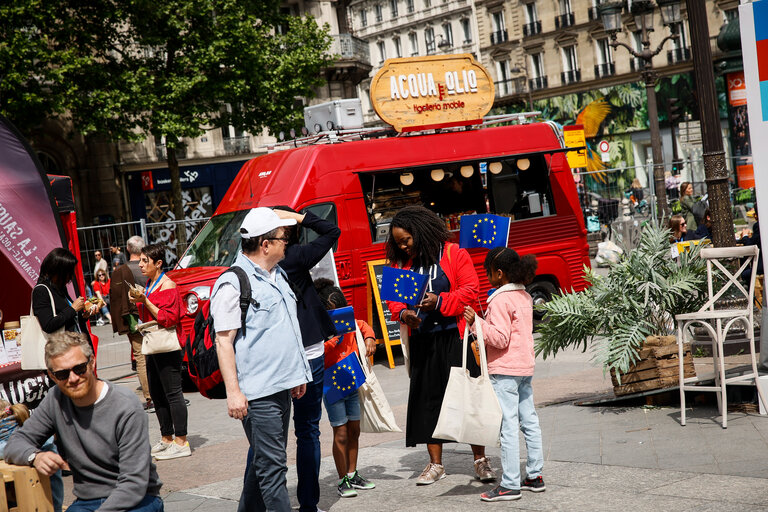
(516, 186)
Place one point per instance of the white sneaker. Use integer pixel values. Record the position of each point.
(160, 447)
(174, 452)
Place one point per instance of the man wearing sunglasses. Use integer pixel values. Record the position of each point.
(102, 434)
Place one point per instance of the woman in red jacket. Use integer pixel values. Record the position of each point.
(418, 240)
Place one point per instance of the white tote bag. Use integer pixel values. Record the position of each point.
(157, 339)
(375, 414)
(470, 412)
(33, 338)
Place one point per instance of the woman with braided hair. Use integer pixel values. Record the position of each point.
(419, 241)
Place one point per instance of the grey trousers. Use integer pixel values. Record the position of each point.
(266, 427)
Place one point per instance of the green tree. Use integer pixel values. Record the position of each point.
(127, 69)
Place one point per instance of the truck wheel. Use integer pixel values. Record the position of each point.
(541, 292)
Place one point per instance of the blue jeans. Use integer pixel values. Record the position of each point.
(148, 504)
(266, 427)
(515, 396)
(307, 412)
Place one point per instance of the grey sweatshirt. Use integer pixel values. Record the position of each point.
(106, 446)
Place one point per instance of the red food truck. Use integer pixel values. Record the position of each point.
(519, 171)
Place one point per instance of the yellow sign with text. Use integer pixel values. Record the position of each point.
(574, 137)
(438, 91)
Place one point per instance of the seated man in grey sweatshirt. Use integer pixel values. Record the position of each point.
(102, 434)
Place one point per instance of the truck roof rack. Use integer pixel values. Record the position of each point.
(336, 136)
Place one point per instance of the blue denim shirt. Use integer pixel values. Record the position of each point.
(271, 357)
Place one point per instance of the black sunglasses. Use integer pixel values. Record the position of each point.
(79, 370)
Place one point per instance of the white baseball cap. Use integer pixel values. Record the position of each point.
(262, 220)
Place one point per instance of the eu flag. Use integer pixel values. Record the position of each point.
(343, 378)
(486, 231)
(343, 319)
(400, 285)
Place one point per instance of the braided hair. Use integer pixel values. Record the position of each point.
(428, 231)
(518, 270)
(330, 294)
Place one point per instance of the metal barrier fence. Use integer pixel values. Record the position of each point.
(99, 238)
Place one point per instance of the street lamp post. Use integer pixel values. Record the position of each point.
(611, 14)
(524, 70)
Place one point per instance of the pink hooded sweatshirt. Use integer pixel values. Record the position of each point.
(508, 331)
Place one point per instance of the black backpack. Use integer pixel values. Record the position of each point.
(202, 360)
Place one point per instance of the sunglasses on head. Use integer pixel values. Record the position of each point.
(79, 370)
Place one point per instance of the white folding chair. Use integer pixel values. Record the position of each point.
(718, 322)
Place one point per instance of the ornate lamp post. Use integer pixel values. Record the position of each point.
(643, 10)
(522, 69)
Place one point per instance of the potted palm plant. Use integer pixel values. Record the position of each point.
(627, 317)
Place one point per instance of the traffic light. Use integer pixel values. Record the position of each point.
(677, 166)
(673, 110)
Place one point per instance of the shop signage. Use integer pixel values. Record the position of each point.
(438, 91)
(573, 136)
(737, 89)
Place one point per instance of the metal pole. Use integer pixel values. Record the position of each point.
(649, 76)
(715, 170)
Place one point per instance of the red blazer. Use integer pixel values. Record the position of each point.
(465, 286)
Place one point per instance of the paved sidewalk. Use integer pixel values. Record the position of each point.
(596, 458)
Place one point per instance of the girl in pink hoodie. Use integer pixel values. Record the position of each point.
(508, 332)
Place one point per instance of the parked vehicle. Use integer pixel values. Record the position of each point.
(520, 171)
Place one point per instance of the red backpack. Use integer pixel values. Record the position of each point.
(202, 361)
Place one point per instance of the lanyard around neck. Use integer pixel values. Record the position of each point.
(155, 283)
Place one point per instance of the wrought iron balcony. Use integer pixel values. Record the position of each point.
(539, 82)
(564, 20)
(500, 36)
(509, 87)
(637, 64)
(162, 152)
(569, 77)
(678, 55)
(532, 28)
(593, 14)
(606, 69)
(349, 47)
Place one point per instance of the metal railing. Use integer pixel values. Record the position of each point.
(348, 46)
(162, 152)
(532, 28)
(569, 77)
(593, 14)
(678, 55)
(637, 64)
(605, 69)
(540, 82)
(500, 36)
(237, 145)
(564, 20)
(509, 87)
(99, 238)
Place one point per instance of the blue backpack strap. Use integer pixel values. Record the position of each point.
(246, 299)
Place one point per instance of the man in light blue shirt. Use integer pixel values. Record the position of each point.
(266, 365)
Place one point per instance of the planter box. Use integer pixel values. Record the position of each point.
(657, 367)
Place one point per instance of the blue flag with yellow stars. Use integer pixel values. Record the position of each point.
(402, 285)
(343, 319)
(486, 231)
(343, 378)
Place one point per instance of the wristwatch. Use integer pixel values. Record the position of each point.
(31, 458)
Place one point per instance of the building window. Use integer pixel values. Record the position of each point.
(379, 13)
(537, 65)
(730, 14)
(604, 58)
(363, 18)
(565, 6)
(427, 4)
(531, 16)
(393, 7)
(398, 48)
(570, 66)
(448, 34)
(498, 21)
(382, 51)
(504, 84)
(413, 40)
(409, 6)
(429, 38)
(466, 29)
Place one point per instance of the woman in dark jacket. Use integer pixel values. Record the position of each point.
(58, 269)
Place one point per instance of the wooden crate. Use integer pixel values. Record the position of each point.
(657, 367)
(24, 490)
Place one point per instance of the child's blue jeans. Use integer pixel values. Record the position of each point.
(515, 396)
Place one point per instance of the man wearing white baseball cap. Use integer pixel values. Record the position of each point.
(262, 361)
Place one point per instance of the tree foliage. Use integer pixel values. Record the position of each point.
(639, 297)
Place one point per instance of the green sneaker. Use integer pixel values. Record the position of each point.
(359, 482)
(345, 489)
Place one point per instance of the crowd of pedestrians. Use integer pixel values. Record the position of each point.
(273, 360)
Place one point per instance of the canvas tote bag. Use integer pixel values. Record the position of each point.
(156, 339)
(470, 412)
(33, 338)
(375, 414)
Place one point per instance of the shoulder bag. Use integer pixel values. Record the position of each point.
(375, 414)
(470, 412)
(33, 338)
(157, 339)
